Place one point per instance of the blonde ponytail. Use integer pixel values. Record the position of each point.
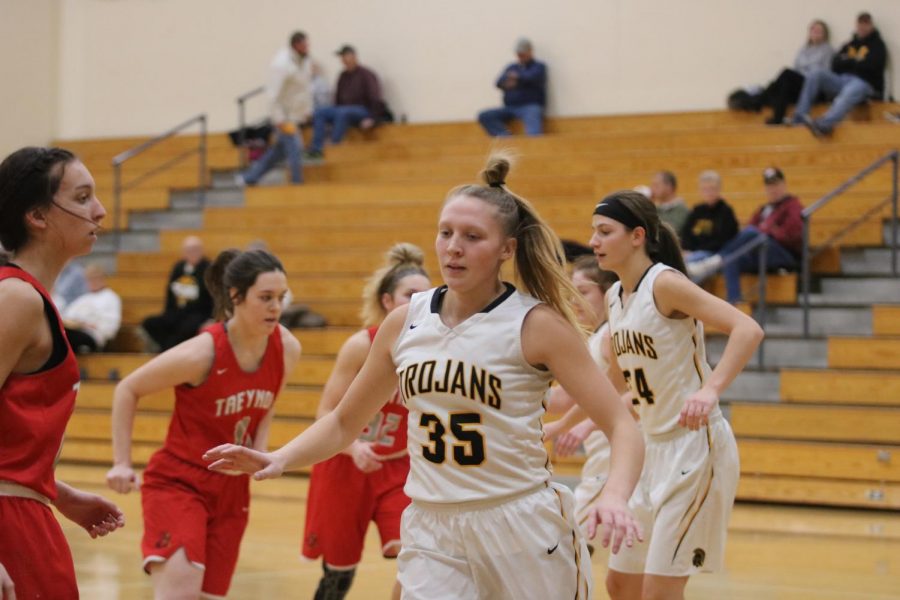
(401, 260)
(539, 253)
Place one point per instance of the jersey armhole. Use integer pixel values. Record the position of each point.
(211, 363)
(524, 360)
(410, 309)
(653, 295)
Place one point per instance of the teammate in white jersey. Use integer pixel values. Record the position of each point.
(475, 358)
(690, 476)
(592, 283)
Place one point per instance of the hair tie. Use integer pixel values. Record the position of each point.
(497, 184)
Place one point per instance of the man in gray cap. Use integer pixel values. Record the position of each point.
(524, 85)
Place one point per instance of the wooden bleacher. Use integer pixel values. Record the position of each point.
(829, 441)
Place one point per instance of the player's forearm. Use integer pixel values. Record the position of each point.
(742, 343)
(324, 438)
(626, 458)
(123, 411)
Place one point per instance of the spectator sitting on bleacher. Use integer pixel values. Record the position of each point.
(93, 319)
(524, 85)
(188, 303)
(815, 55)
(779, 219)
(70, 284)
(357, 101)
(711, 224)
(671, 208)
(289, 92)
(858, 74)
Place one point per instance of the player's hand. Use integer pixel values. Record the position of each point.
(232, 458)
(97, 515)
(617, 522)
(696, 410)
(569, 442)
(122, 479)
(7, 589)
(364, 456)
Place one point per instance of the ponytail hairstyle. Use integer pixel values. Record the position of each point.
(587, 265)
(29, 179)
(239, 270)
(661, 242)
(400, 261)
(539, 253)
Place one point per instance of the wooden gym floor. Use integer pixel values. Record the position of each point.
(774, 552)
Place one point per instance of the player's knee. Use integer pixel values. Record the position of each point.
(621, 586)
(334, 584)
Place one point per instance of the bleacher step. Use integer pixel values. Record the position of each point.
(861, 289)
(840, 320)
(866, 261)
(154, 220)
(131, 241)
(752, 385)
(231, 196)
(781, 352)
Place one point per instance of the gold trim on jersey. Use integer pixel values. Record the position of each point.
(694, 509)
(579, 577)
(697, 354)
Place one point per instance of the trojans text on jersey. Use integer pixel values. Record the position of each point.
(451, 377)
(626, 341)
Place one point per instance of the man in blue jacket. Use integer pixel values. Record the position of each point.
(524, 85)
(857, 73)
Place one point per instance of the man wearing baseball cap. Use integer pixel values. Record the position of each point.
(357, 102)
(779, 219)
(524, 85)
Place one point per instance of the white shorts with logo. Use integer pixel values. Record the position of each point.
(527, 547)
(683, 501)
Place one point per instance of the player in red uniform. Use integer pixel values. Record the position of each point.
(226, 380)
(50, 215)
(365, 482)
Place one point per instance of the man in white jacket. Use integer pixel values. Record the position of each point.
(93, 319)
(289, 92)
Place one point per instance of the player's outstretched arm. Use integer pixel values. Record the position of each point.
(369, 391)
(188, 362)
(568, 359)
(675, 294)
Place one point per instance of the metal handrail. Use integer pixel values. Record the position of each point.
(242, 119)
(761, 241)
(120, 159)
(808, 254)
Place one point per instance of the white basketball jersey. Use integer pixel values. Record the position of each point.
(596, 446)
(475, 404)
(663, 359)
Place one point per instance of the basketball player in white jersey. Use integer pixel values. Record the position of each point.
(691, 471)
(475, 358)
(592, 283)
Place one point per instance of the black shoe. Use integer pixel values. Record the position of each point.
(774, 121)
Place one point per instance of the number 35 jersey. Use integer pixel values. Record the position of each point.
(475, 404)
(663, 359)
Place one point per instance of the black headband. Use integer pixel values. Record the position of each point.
(613, 208)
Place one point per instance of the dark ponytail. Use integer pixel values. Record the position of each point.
(239, 270)
(661, 240)
(29, 179)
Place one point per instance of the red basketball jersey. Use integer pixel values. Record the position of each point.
(35, 407)
(228, 406)
(388, 427)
